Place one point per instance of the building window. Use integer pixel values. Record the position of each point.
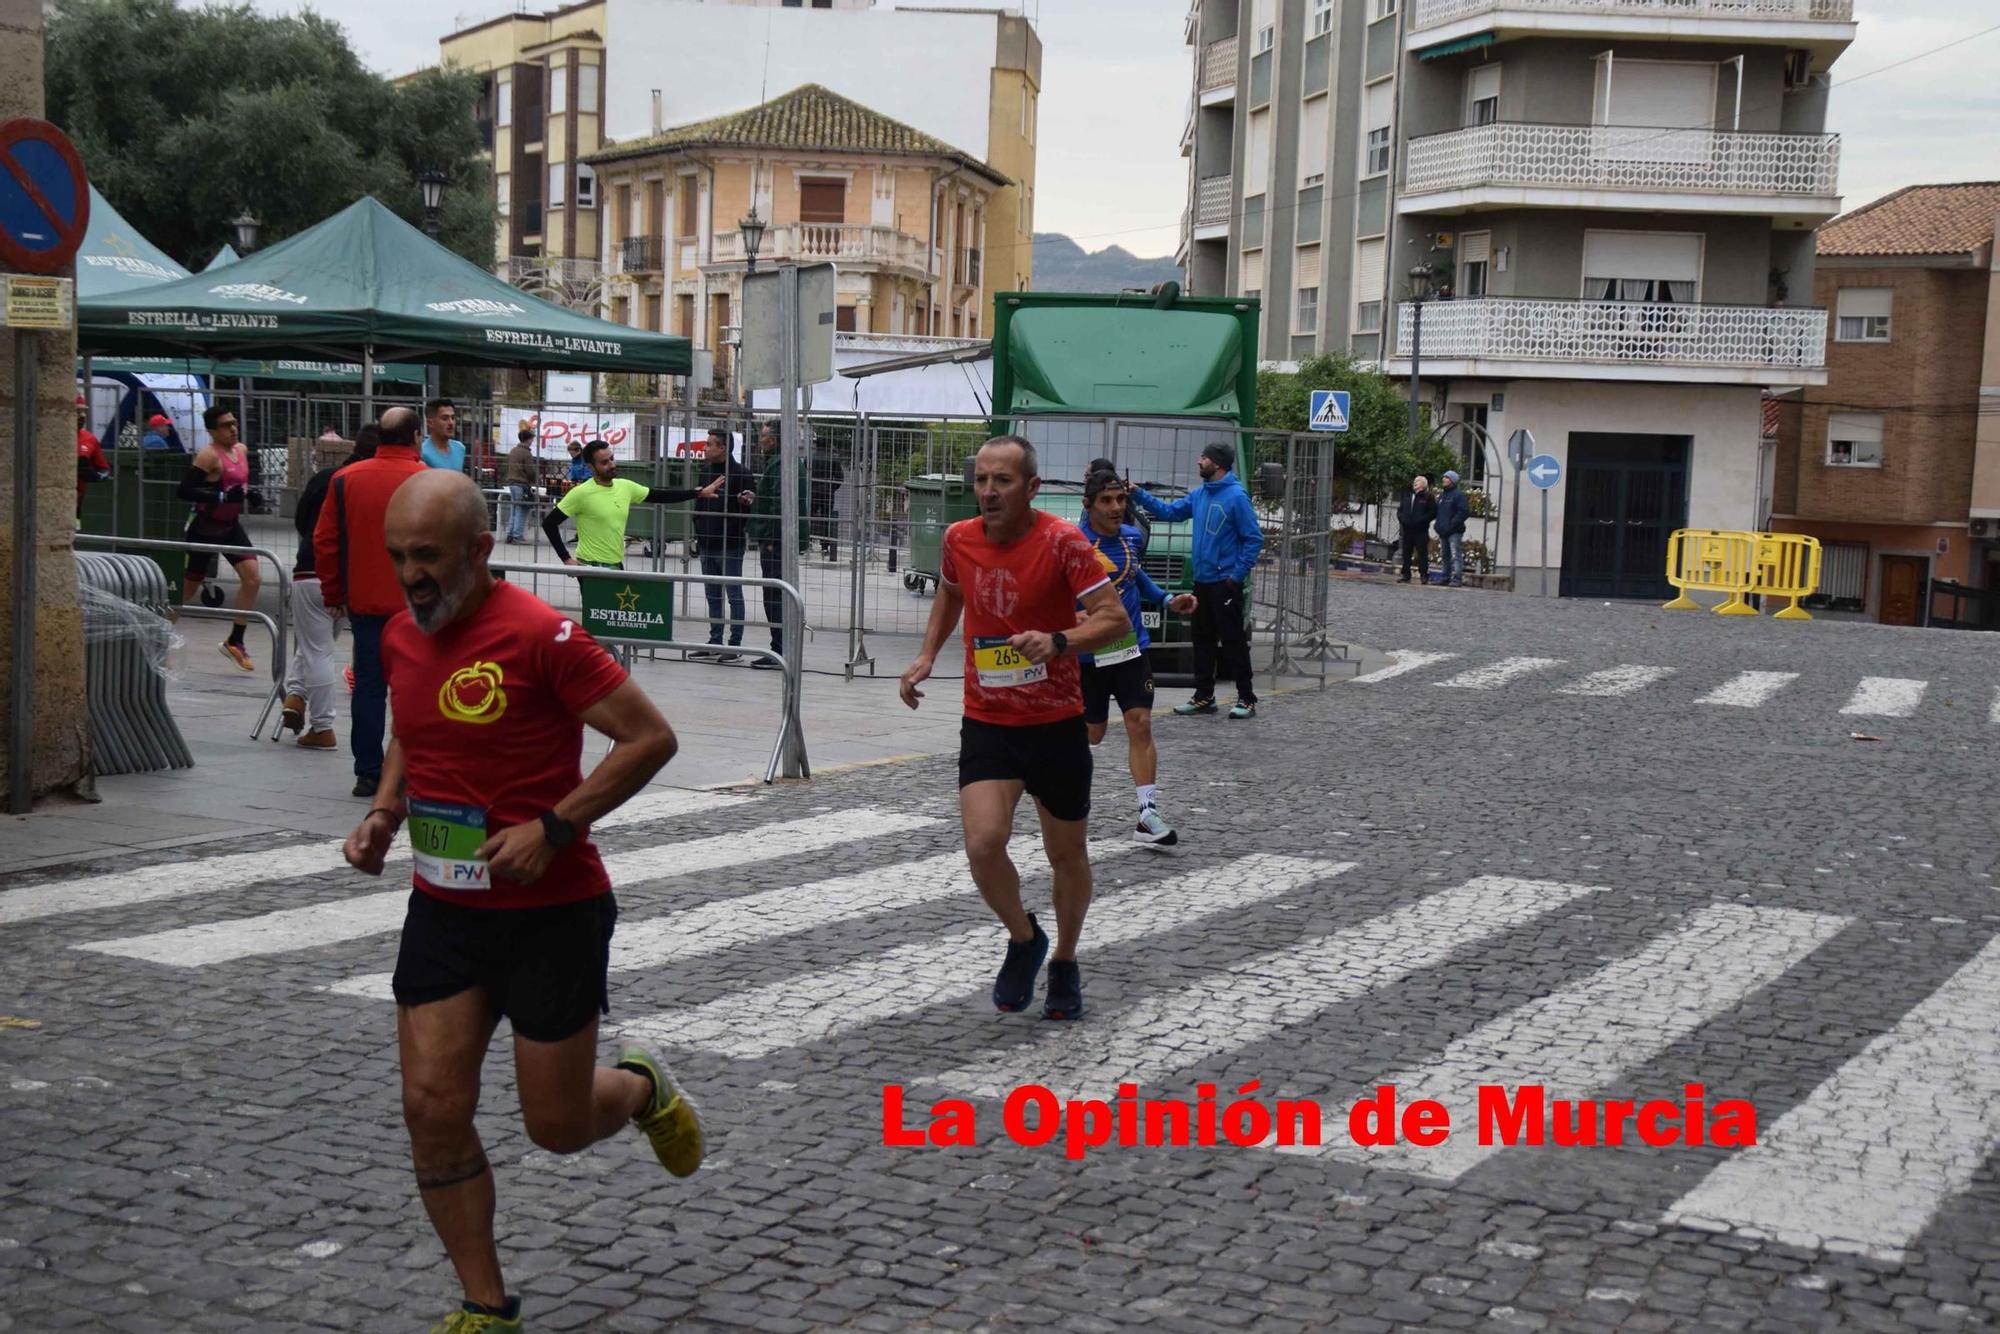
(1267, 37)
(684, 303)
(558, 174)
(822, 200)
(1322, 17)
(1642, 266)
(1862, 315)
(503, 116)
(1384, 8)
(1854, 440)
(558, 90)
(1475, 253)
(503, 194)
(621, 310)
(653, 300)
(1378, 151)
(1368, 317)
(586, 187)
(690, 216)
(1482, 95)
(1306, 316)
(586, 89)
(1317, 178)
(843, 319)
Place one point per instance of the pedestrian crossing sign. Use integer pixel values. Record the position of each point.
(1329, 410)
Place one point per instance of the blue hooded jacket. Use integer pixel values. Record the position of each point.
(1227, 536)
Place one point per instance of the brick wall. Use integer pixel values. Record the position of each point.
(1925, 383)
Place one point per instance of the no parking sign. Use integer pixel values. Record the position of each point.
(44, 197)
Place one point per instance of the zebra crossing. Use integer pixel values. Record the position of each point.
(1864, 1161)
(1871, 697)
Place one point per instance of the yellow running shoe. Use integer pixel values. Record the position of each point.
(472, 1318)
(671, 1121)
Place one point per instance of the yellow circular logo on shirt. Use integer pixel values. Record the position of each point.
(473, 694)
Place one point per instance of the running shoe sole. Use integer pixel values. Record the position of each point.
(1151, 840)
(237, 656)
(672, 1123)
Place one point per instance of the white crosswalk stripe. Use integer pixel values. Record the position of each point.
(803, 1009)
(1496, 675)
(293, 929)
(1401, 660)
(1993, 714)
(1748, 690)
(1885, 697)
(1868, 1158)
(1617, 681)
(240, 870)
(1260, 996)
(1582, 1039)
(724, 924)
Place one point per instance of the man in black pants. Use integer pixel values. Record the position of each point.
(1417, 512)
(718, 528)
(766, 519)
(1227, 541)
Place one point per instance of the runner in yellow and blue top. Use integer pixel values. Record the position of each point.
(1120, 671)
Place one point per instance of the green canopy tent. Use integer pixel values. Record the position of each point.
(115, 259)
(223, 257)
(366, 282)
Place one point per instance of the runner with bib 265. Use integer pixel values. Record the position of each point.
(1018, 574)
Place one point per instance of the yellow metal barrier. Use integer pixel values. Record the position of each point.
(1738, 564)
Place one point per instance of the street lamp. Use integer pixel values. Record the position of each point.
(431, 183)
(1420, 292)
(751, 229)
(247, 227)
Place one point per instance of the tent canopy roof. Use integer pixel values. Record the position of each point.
(365, 279)
(114, 257)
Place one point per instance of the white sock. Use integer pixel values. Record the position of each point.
(1147, 792)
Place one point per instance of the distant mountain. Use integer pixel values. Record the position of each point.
(1061, 265)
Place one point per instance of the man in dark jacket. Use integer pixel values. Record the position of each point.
(718, 530)
(309, 682)
(1453, 509)
(765, 529)
(1417, 512)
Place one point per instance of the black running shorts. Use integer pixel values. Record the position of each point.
(544, 968)
(1129, 682)
(1051, 759)
(201, 564)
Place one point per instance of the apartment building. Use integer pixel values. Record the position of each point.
(1609, 204)
(902, 216)
(1883, 463)
(563, 83)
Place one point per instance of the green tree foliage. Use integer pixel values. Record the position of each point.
(185, 117)
(1375, 459)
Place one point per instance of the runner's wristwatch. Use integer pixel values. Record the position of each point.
(559, 832)
(1061, 641)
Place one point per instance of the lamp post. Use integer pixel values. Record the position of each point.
(751, 231)
(246, 227)
(430, 183)
(1420, 292)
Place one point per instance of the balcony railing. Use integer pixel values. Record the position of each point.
(828, 240)
(640, 254)
(1432, 13)
(1620, 157)
(1218, 65)
(1620, 333)
(1212, 201)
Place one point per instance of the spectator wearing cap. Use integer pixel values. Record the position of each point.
(1227, 541)
(1453, 509)
(159, 434)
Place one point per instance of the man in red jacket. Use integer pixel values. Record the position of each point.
(356, 575)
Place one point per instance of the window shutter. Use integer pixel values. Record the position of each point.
(1253, 271)
(1257, 154)
(1858, 427)
(1650, 256)
(1475, 247)
(1308, 266)
(1368, 273)
(1483, 82)
(1312, 138)
(1863, 302)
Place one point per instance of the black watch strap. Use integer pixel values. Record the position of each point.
(559, 832)
(1061, 642)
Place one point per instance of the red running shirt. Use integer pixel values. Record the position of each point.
(487, 714)
(1032, 583)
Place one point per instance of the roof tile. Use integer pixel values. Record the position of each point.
(1917, 220)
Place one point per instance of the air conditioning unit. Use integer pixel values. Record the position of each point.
(1985, 530)
(1798, 69)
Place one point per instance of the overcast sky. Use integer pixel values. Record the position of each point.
(1115, 79)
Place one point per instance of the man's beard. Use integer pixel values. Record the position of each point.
(439, 611)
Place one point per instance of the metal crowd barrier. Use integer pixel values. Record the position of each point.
(131, 728)
(788, 754)
(1740, 564)
(280, 629)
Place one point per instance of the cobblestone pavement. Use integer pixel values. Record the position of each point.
(1588, 850)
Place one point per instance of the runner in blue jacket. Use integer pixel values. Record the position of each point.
(1120, 671)
(1227, 541)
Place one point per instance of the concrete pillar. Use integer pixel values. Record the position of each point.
(61, 746)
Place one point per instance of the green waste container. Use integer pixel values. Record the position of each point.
(141, 499)
(937, 501)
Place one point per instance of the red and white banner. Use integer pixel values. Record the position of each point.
(556, 427)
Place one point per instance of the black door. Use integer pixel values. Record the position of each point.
(1625, 494)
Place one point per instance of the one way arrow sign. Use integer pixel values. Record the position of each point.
(1544, 471)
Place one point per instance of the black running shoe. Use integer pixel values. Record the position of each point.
(1063, 999)
(1015, 986)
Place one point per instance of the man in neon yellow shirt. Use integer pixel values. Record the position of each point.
(600, 507)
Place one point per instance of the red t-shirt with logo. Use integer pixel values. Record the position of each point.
(1032, 583)
(487, 715)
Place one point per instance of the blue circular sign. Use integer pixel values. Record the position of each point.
(44, 196)
(1544, 471)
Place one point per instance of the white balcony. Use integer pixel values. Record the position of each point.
(858, 245)
(1825, 27)
(1218, 72)
(1520, 337)
(1212, 206)
(1791, 177)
